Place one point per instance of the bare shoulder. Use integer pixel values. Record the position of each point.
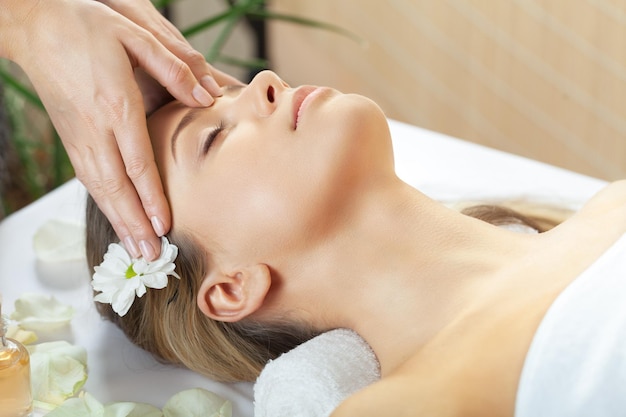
(606, 209)
(375, 400)
(610, 197)
(397, 396)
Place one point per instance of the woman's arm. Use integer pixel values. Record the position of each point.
(80, 56)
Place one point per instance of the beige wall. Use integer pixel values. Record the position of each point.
(186, 13)
(544, 79)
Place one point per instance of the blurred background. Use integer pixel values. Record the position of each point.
(545, 79)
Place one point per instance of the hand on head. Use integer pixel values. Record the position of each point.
(81, 57)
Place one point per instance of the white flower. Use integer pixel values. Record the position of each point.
(120, 277)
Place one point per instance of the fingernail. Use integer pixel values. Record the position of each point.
(212, 86)
(131, 247)
(202, 96)
(147, 250)
(157, 225)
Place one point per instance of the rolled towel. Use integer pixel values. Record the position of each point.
(315, 377)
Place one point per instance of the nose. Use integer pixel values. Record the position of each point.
(266, 89)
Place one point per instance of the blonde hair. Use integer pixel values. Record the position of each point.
(539, 216)
(168, 323)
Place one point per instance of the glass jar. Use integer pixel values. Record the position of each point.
(15, 389)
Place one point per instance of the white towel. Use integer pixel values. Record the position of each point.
(315, 377)
(576, 364)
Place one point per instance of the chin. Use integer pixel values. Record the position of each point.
(359, 142)
(366, 124)
(367, 114)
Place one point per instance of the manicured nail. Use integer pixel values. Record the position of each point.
(212, 86)
(131, 247)
(202, 96)
(157, 225)
(147, 250)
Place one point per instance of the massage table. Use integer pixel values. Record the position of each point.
(445, 168)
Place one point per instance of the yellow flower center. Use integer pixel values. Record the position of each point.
(130, 272)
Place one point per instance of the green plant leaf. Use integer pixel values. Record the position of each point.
(159, 4)
(232, 13)
(22, 89)
(62, 168)
(244, 63)
(218, 44)
(264, 14)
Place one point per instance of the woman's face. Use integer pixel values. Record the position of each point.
(267, 166)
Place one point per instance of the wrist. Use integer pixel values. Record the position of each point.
(14, 21)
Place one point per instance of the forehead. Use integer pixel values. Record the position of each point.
(166, 113)
(162, 123)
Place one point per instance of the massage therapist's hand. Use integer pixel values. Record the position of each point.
(80, 56)
(144, 14)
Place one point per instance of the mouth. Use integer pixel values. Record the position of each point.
(300, 99)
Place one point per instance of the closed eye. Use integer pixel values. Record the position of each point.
(213, 134)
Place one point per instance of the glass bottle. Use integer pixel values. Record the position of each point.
(15, 390)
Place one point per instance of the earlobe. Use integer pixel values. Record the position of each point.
(233, 296)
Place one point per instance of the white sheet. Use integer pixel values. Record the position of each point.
(443, 167)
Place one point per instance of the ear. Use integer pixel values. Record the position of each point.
(232, 296)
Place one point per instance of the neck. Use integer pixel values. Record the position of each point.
(399, 270)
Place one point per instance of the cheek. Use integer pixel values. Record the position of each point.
(287, 193)
(239, 212)
(266, 210)
(259, 213)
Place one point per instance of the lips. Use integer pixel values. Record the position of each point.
(299, 98)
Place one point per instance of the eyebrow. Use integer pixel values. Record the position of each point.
(189, 117)
(193, 113)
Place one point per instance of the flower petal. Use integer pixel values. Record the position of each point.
(157, 280)
(111, 281)
(197, 402)
(124, 297)
(58, 370)
(41, 312)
